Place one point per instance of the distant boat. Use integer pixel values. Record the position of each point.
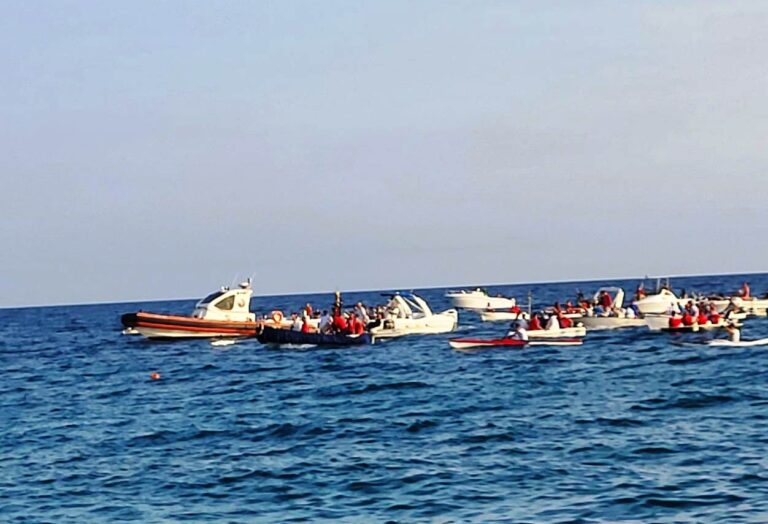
(479, 299)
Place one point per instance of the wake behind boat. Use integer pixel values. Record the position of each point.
(224, 313)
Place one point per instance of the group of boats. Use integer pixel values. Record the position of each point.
(226, 315)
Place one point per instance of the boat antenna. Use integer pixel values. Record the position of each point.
(530, 303)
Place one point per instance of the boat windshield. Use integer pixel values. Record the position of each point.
(210, 298)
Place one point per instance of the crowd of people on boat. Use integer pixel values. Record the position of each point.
(338, 320)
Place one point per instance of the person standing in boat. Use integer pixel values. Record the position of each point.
(295, 322)
(744, 292)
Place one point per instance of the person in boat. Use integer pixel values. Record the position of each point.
(605, 300)
(640, 292)
(520, 320)
(355, 325)
(295, 322)
(308, 310)
(326, 322)
(515, 310)
(518, 332)
(556, 309)
(744, 292)
(731, 308)
(306, 327)
(362, 313)
(702, 317)
(535, 323)
(714, 316)
(675, 322)
(564, 322)
(688, 318)
(339, 322)
(734, 333)
(553, 323)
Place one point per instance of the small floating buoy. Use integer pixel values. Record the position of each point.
(154, 375)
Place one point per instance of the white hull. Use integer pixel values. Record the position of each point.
(444, 322)
(479, 300)
(578, 331)
(752, 306)
(173, 333)
(741, 344)
(659, 303)
(598, 323)
(498, 316)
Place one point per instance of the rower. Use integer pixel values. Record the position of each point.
(734, 334)
(518, 333)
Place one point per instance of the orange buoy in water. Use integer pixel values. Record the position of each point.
(154, 375)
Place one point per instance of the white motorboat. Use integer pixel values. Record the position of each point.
(615, 318)
(411, 315)
(479, 299)
(659, 303)
(660, 322)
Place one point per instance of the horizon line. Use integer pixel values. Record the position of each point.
(369, 290)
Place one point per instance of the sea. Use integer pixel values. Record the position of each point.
(633, 426)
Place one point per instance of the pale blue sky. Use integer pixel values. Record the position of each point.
(157, 149)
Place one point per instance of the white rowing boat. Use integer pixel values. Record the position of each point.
(740, 344)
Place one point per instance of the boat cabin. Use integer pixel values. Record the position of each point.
(227, 304)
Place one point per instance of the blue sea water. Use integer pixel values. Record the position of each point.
(633, 426)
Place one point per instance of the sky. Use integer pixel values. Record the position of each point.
(156, 150)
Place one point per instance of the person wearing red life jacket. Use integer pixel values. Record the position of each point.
(606, 301)
(535, 323)
(305, 327)
(688, 319)
(702, 318)
(308, 310)
(675, 321)
(339, 322)
(565, 322)
(514, 309)
(714, 316)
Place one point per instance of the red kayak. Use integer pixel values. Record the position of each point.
(466, 343)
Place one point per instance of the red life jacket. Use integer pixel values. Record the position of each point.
(565, 322)
(687, 319)
(305, 326)
(339, 323)
(714, 318)
(702, 318)
(534, 324)
(675, 322)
